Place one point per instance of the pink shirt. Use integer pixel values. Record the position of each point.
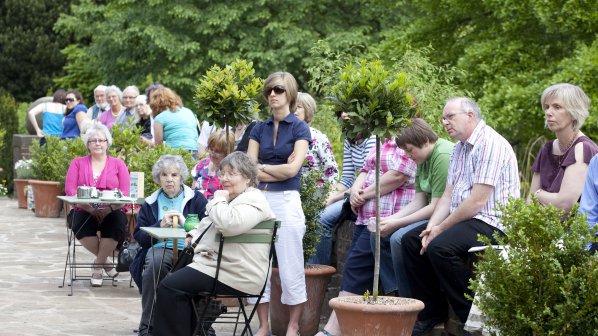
(115, 175)
(106, 118)
(391, 158)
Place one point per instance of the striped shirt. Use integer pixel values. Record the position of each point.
(354, 155)
(391, 158)
(486, 158)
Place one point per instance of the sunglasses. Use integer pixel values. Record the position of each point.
(278, 89)
(69, 100)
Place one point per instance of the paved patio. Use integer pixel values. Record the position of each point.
(32, 255)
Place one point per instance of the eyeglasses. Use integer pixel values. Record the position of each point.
(69, 100)
(129, 97)
(227, 175)
(278, 89)
(98, 141)
(451, 116)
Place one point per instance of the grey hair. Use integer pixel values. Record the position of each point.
(114, 88)
(97, 127)
(133, 88)
(468, 105)
(100, 88)
(574, 101)
(244, 164)
(141, 99)
(169, 161)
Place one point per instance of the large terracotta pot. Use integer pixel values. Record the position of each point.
(316, 283)
(45, 197)
(21, 191)
(390, 316)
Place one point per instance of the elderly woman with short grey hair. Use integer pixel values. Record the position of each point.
(172, 199)
(233, 211)
(114, 97)
(103, 172)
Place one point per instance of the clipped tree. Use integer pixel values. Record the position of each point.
(314, 191)
(9, 125)
(228, 96)
(378, 102)
(545, 282)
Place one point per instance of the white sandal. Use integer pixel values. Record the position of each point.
(111, 273)
(96, 277)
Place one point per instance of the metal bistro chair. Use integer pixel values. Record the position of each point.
(209, 310)
(71, 263)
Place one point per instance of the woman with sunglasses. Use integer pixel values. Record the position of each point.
(272, 142)
(103, 172)
(75, 116)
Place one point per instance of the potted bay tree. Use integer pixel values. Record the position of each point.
(378, 102)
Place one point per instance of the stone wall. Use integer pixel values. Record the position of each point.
(20, 146)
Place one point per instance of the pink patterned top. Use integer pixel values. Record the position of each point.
(206, 182)
(391, 158)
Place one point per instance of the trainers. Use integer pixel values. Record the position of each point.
(421, 328)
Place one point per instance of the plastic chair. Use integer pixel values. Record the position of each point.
(209, 310)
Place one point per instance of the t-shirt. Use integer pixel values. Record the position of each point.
(70, 127)
(431, 174)
(179, 128)
(290, 130)
(552, 167)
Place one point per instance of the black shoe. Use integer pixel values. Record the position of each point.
(421, 328)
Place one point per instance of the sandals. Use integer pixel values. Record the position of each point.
(96, 277)
(111, 272)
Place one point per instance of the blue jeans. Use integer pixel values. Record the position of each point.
(328, 220)
(392, 266)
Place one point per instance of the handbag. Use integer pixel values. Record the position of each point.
(126, 255)
(186, 256)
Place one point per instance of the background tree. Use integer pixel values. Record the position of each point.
(8, 124)
(30, 54)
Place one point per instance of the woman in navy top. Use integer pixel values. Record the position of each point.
(73, 118)
(272, 142)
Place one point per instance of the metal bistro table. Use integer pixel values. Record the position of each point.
(71, 256)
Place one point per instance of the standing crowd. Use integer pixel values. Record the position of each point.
(437, 196)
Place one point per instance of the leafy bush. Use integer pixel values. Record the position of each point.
(547, 284)
(314, 191)
(8, 123)
(51, 161)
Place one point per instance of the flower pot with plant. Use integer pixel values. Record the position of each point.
(377, 102)
(23, 173)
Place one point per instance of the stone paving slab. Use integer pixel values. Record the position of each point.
(32, 256)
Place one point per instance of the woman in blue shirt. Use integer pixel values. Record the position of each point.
(272, 142)
(73, 118)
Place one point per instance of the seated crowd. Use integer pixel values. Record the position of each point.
(437, 196)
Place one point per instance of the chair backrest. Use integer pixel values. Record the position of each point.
(268, 237)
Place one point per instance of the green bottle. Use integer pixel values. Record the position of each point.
(191, 222)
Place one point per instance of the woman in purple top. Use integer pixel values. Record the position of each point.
(105, 173)
(114, 98)
(205, 173)
(271, 143)
(563, 161)
(73, 118)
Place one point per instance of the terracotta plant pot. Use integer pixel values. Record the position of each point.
(45, 197)
(389, 316)
(316, 283)
(21, 191)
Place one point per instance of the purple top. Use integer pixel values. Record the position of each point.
(107, 118)
(552, 167)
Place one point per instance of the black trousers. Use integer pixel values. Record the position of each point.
(173, 311)
(441, 274)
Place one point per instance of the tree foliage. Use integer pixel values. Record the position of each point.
(29, 48)
(125, 41)
(9, 126)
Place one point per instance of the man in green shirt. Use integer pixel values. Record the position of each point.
(432, 156)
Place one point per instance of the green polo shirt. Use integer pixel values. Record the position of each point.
(431, 175)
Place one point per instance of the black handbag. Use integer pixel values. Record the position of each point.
(126, 255)
(186, 255)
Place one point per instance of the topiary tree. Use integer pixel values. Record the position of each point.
(314, 191)
(546, 284)
(378, 102)
(228, 96)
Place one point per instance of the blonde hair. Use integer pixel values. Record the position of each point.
(217, 141)
(574, 100)
(290, 86)
(309, 106)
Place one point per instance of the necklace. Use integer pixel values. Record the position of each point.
(565, 149)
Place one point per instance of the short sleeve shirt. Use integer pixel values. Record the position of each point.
(70, 127)
(179, 128)
(431, 174)
(290, 130)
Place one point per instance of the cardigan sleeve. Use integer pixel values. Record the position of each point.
(72, 177)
